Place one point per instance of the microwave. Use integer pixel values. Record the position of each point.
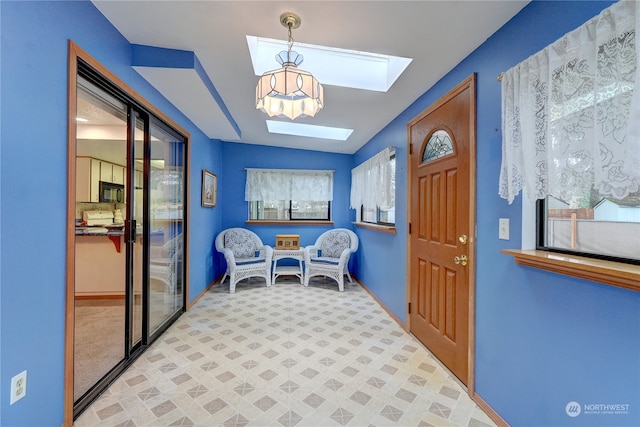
(111, 193)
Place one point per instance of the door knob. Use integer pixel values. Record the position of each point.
(462, 259)
(463, 239)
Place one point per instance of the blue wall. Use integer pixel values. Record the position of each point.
(33, 172)
(387, 280)
(542, 339)
(204, 222)
(231, 186)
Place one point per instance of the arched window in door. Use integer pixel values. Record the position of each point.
(439, 145)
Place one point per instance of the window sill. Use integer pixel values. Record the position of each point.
(389, 229)
(296, 223)
(625, 276)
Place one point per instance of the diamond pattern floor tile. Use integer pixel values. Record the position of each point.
(287, 355)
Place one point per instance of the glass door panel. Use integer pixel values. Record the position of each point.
(100, 264)
(137, 212)
(166, 191)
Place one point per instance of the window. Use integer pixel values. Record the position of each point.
(373, 187)
(376, 214)
(568, 139)
(283, 210)
(599, 226)
(289, 195)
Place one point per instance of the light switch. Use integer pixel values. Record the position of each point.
(503, 228)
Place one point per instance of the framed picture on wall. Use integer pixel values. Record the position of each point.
(209, 188)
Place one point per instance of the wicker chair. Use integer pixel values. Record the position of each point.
(329, 256)
(165, 265)
(245, 254)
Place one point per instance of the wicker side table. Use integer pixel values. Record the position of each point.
(287, 270)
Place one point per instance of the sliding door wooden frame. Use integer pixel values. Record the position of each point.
(76, 53)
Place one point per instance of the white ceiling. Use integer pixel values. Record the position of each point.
(436, 34)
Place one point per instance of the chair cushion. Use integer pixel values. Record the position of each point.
(334, 243)
(240, 242)
(326, 260)
(252, 260)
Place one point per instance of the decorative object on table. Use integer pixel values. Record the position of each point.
(245, 254)
(329, 256)
(287, 241)
(209, 188)
(117, 217)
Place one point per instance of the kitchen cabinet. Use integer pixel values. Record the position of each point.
(111, 173)
(87, 179)
(106, 172)
(89, 173)
(118, 174)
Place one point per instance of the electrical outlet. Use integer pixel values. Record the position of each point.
(503, 228)
(18, 387)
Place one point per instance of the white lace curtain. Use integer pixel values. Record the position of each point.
(568, 119)
(289, 184)
(371, 182)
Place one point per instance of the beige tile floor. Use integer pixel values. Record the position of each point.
(285, 356)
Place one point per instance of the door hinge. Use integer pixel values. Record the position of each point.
(409, 308)
(409, 228)
(410, 149)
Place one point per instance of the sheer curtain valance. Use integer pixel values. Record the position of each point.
(571, 113)
(289, 184)
(371, 182)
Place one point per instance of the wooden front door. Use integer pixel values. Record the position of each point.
(442, 225)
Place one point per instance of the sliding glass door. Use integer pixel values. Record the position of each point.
(100, 261)
(166, 214)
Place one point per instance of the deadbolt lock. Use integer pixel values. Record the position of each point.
(463, 239)
(461, 260)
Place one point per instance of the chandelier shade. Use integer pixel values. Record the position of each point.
(289, 92)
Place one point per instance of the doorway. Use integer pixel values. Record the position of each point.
(126, 276)
(442, 228)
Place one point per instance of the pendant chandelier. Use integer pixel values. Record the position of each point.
(289, 91)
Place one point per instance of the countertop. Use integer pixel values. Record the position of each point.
(111, 230)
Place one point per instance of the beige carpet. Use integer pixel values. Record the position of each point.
(99, 341)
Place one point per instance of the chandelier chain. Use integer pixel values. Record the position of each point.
(290, 44)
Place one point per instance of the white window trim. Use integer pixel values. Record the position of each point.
(528, 224)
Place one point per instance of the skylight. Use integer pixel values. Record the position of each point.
(311, 131)
(332, 66)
